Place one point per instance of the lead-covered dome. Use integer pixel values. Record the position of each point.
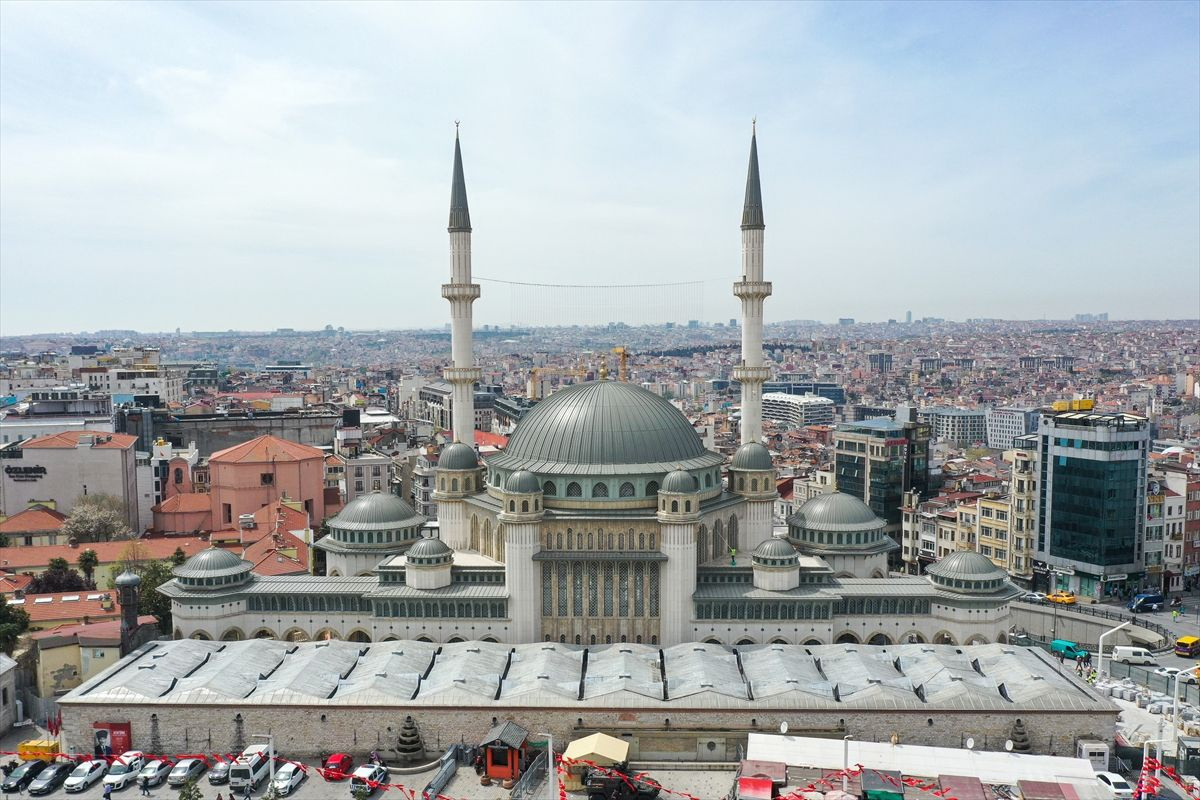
(458, 456)
(680, 482)
(376, 511)
(603, 428)
(967, 571)
(212, 569)
(775, 552)
(429, 552)
(522, 482)
(836, 511)
(752, 456)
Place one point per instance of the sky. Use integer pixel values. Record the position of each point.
(249, 165)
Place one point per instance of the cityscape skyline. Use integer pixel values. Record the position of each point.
(210, 169)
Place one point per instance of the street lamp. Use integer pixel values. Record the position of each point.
(845, 760)
(1100, 646)
(1146, 754)
(551, 767)
(270, 753)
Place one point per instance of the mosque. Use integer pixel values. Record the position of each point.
(604, 520)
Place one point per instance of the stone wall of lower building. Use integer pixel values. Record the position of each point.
(666, 732)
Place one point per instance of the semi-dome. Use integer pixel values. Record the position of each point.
(752, 456)
(836, 511)
(522, 482)
(458, 456)
(775, 552)
(212, 569)
(376, 511)
(680, 482)
(428, 552)
(603, 428)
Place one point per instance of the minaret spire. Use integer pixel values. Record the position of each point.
(461, 293)
(752, 290)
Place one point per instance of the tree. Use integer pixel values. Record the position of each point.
(190, 791)
(13, 622)
(178, 557)
(59, 577)
(132, 556)
(150, 600)
(88, 561)
(97, 518)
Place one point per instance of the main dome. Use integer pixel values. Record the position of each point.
(604, 428)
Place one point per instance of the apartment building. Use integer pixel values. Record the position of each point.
(797, 410)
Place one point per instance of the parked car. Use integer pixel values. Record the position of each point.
(1063, 598)
(338, 766)
(156, 771)
(370, 776)
(125, 769)
(22, 776)
(219, 773)
(1116, 784)
(188, 769)
(1068, 649)
(52, 777)
(1035, 597)
(85, 774)
(288, 777)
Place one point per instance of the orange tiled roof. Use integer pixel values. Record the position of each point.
(268, 556)
(10, 582)
(36, 557)
(33, 519)
(69, 440)
(95, 633)
(265, 449)
(68, 605)
(185, 503)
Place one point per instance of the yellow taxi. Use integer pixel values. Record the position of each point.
(1065, 598)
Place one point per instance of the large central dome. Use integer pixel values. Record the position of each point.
(602, 428)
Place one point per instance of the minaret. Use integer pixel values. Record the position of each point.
(752, 290)
(461, 293)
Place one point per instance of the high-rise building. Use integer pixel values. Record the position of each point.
(958, 426)
(798, 410)
(1004, 425)
(1091, 499)
(878, 460)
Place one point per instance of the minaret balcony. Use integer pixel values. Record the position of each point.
(744, 374)
(461, 291)
(747, 289)
(462, 374)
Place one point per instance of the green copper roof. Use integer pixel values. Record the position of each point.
(460, 215)
(604, 428)
(752, 212)
(376, 511)
(776, 548)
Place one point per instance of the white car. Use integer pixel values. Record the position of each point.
(1169, 672)
(368, 775)
(1035, 597)
(84, 775)
(1119, 787)
(125, 769)
(156, 771)
(288, 777)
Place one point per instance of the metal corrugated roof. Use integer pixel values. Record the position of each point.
(376, 511)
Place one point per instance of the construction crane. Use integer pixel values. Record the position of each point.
(623, 370)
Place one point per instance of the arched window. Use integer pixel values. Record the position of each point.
(687, 505)
(574, 489)
(578, 639)
(754, 484)
(590, 543)
(674, 505)
(641, 541)
(512, 505)
(651, 488)
(548, 489)
(733, 531)
(610, 541)
(579, 540)
(524, 505)
(621, 542)
(178, 475)
(627, 489)
(559, 546)
(742, 483)
(570, 540)
(454, 484)
(599, 490)
(702, 544)
(708, 480)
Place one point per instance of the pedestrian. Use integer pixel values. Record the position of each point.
(145, 784)
(220, 796)
(247, 796)
(108, 791)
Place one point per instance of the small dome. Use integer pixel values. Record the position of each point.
(376, 511)
(522, 482)
(212, 563)
(128, 578)
(965, 564)
(775, 549)
(429, 552)
(458, 456)
(835, 511)
(680, 482)
(752, 456)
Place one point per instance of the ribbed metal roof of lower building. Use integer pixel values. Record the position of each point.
(921, 678)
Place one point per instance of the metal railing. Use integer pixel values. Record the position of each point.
(531, 779)
(1104, 612)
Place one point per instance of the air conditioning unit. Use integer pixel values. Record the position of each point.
(246, 521)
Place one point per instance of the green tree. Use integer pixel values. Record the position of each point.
(190, 791)
(178, 557)
(13, 622)
(97, 518)
(58, 577)
(87, 562)
(150, 600)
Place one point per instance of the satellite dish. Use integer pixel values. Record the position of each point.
(783, 727)
(1008, 745)
(970, 743)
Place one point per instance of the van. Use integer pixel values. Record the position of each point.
(251, 768)
(1068, 649)
(1187, 646)
(1147, 601)
(1133, 655)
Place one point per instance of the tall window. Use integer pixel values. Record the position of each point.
(574, 489)
(547, 590)
(599, 490)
